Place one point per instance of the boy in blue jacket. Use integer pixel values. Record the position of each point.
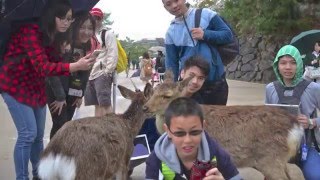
(183, 40)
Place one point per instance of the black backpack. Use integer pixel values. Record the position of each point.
(227, 52)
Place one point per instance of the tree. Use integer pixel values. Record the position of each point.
(271, 17)
(135, 49)
(106, 19)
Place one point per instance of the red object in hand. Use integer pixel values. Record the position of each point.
(200, 168)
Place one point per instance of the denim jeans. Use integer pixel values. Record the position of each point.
(30, 124)
(311, 167)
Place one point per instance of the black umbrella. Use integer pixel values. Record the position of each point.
(21, 9)
(305, 41)
(26, 9)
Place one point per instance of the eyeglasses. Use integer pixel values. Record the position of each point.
(66, 20)
(184, 133)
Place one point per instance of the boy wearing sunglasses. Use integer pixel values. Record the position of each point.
(185, 144)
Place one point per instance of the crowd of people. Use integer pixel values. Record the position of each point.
(50, 61)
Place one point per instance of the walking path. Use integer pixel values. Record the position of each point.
(240, 93)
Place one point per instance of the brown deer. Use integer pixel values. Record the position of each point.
(95, 147)
(261, 137)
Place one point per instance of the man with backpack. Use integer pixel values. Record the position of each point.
(183, 40)
(98, 90)
(291, 88)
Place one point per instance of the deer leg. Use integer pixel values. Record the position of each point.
(249, 173)
(294, 172)
(273, 169)
(122, 173)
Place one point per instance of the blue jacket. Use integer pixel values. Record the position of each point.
(179, 45)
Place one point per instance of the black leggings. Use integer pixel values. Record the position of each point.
(66, 115)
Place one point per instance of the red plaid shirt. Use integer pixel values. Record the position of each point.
(27, 63)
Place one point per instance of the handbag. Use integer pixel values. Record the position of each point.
(312, 72)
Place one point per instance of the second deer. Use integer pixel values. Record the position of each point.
(95, 147)
(261, 137)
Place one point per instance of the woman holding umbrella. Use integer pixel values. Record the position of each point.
(31, 56)
(311, 61)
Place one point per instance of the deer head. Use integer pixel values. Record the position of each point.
(164, 93)
(129, 94)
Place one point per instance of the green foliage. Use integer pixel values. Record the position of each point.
(270, 17)
(135, 49)
(106, 20)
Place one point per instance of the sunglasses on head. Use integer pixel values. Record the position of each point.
(184, 133)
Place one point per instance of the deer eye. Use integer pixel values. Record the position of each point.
(166, 97)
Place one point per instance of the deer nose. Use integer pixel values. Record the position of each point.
(145, 108)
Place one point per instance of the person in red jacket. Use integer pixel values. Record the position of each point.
(32, 55)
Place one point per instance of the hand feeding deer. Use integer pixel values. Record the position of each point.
(261, 137)
(95, 147)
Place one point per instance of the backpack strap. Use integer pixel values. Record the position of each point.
(197, 20)
(197, 17)
(299, 89)
(280, 90)
(103, 37)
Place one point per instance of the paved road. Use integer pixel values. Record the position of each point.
(240, 93)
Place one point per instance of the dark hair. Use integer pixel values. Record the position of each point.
(80, 18)
(146, 55)
(182, 106)
(199, 62)
(53, 9)
(60, 39)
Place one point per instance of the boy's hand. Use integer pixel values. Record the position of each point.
(303, 120)
(213, 174)
(197, 33)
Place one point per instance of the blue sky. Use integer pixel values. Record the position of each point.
(137, 19)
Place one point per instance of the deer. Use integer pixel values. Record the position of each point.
(261, 137)
(95, 147)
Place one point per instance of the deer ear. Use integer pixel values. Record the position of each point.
(148, 90)
(125, 92)
(182, 84)
(165, 127)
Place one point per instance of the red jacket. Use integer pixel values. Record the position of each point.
(26, 64)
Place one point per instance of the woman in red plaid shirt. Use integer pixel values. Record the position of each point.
(30, 57)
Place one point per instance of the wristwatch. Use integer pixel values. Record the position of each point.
(310, 121)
